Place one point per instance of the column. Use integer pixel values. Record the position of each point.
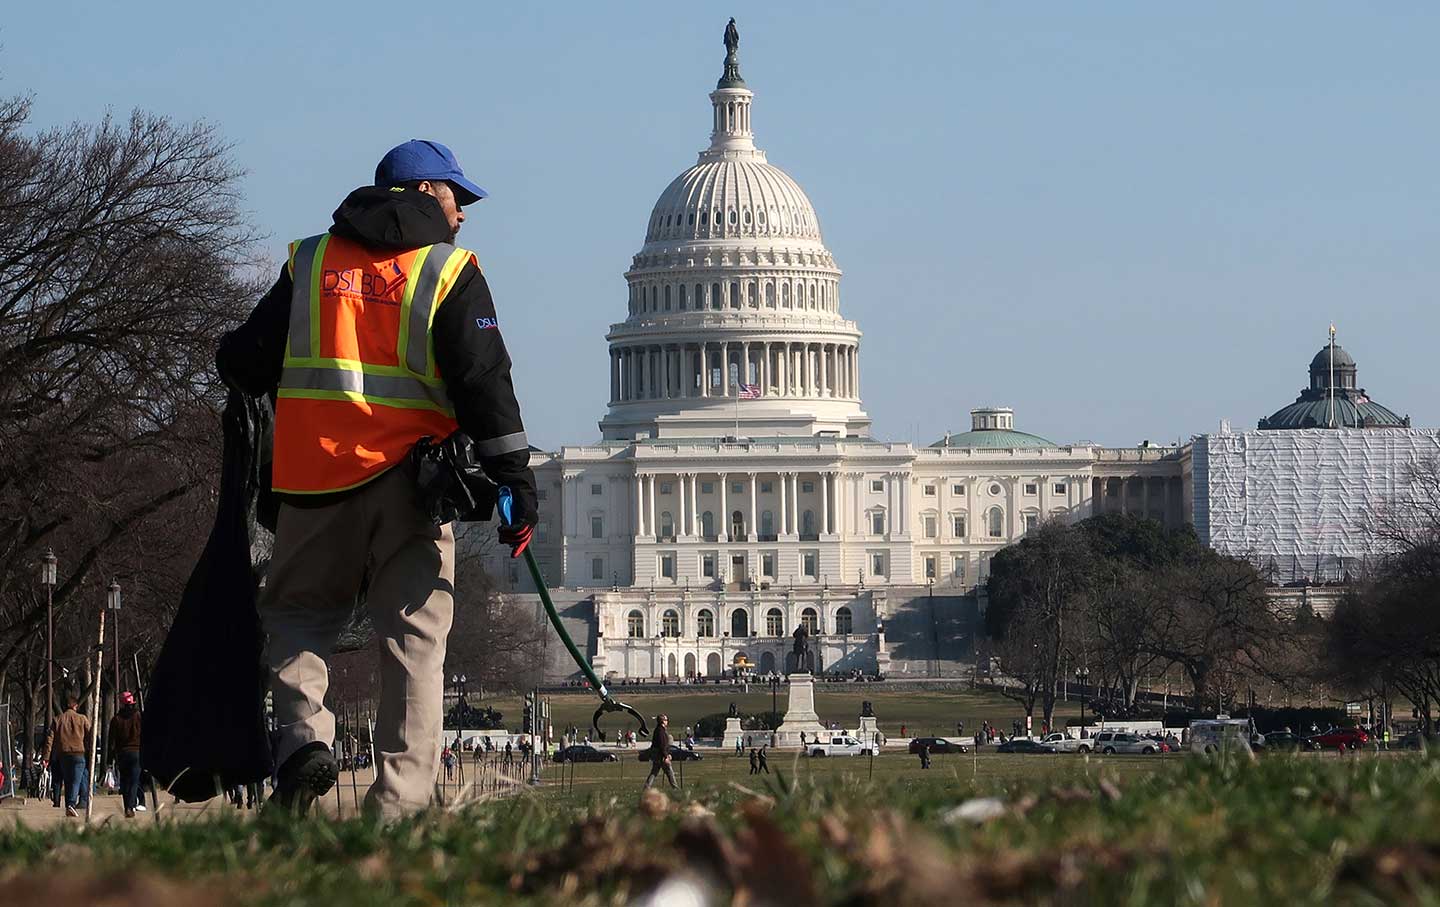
(857, 514)
(765, 369)
(838, 526)
(753, 529)
(824, 527)
(724, 368)
(664, 373)
(639, 506)
(1145, 496)
(652, 528)
(892, 508)
(614, 376)
(723, 530)
(782, 360)
(794, 503)
(783, 529)
(704, 369)
(857, 371)
(695, 503)
(744, 363)
(682, 517)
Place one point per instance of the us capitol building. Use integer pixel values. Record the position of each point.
(737, 492)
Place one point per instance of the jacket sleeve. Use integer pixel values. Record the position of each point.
(472, 359)
(250, 357)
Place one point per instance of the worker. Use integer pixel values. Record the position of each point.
(376, 334)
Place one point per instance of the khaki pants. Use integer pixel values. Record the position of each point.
(322, 556)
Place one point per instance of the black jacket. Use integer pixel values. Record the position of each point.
(469, 350)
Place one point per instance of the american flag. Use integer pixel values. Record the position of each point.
(749, 392)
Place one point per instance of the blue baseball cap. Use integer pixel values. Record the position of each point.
(419, 159)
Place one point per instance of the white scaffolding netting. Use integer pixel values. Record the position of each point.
(1300, 503)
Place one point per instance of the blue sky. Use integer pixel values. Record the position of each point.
(1127, 221)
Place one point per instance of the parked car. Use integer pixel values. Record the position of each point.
(678, 753)
(1023, 745)
(1341, 738)
(1417, 740)
(937, 745)
(1110, 743)
(1060, 743)
(1280, 741)
(838, 745)
(581, 752)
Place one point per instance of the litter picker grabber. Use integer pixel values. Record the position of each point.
(608, 703)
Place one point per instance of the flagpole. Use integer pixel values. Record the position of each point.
(1332, 374)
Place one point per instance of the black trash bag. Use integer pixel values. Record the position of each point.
(205, 709)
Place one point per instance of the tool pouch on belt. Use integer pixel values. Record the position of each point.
(449, 482)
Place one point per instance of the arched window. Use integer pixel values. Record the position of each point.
(699, 298)
(667, 525)
(750, 296)
(769, 295)
(670, 623)
(707, 525)
(785, 296)
(705, 623)
(635, 625)
(774, 622)
(682, 297)
(739, 624)
(667, 297)
(737, 525)
(995, 523)
(811, 621)
(767, 524)
(714, 296)
(734, 292)
(807, 523)
(844, 621)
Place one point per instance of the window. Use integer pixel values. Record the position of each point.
(1031, 521)
(707, 487)
(665, 487)
(767, 524)
(597, 527)
(811, 621)
(877, 522)
(737, 525)
(597, 568)
(737, 487)
(995, 523)
(844, 621)
(994, 490)
(932, 526)
(596, 489)
(877, 564)
(670, 623)
(514, 573)
(877, 486)
(929, 490)
(707, 525)
(957, 569)
(707, 566)
(1032, 488)
(635, 625)
(1058, 488)
(739, 624)
(667, 525)
(957, 526)
(667, 566)
(705, 623)
(767, 487)
(774, 622)
(930, 567)
(958, 490)
(767, 565)
(541, 494)
(542, 532)
(807, 487)
(807, 523)
(810, 564)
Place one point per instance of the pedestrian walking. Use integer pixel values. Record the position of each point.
(924, 755)
(660, 753)
(67, 739)
(375, 335)
(764, 763)
(754, 763)
(124, 747)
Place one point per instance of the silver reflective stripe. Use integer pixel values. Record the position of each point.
(422, 301)
(494, 447)
(301, 276)
(354, 382)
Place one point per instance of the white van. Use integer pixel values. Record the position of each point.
(1221, 735)
(839, 745)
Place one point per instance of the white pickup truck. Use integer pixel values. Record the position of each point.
(838, 745)
(1060, 743)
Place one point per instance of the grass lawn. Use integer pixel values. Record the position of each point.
(1053, 830)
(932, 713)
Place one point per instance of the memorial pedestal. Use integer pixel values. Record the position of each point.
(733, 734)
(799, 712)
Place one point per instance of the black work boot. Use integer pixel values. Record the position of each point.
(309, 773)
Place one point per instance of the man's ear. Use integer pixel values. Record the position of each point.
(426, 187)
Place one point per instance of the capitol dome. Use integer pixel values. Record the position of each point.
(1334, 398)
(734, 323)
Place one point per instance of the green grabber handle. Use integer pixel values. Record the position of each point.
(505, 502)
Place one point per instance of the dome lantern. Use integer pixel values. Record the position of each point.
(1334, 398)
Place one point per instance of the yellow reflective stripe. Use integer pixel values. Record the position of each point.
(304, 259)
(424, 291)
(316, 273)
(448, 276)
(407, 302)
(366, 384)
(350, 397)
(355, 365)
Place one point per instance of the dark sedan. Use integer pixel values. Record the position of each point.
(677, 754)
(1278, 741)
(1023, 745)
(937, 745)
(583, 753)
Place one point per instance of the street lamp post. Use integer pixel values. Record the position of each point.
(1082, 677)
(112, 601)
(774, 694)
(47, 577)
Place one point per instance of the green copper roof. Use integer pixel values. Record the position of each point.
(994, 439)
(1349, 413)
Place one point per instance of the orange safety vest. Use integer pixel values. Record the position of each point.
(359, 385)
